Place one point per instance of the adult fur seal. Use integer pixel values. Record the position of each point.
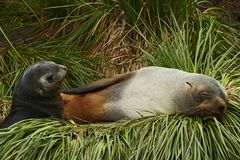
(36, 94)
(139, 93)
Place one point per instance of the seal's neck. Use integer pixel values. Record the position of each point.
(41, 107)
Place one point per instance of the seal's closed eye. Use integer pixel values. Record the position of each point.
(204, 95)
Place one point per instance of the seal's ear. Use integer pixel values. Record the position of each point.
(40, 91)
(190, 84)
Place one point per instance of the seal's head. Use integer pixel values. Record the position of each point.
(36, 94)
(43, 78)
(205, 96)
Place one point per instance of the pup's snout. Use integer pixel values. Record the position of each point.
(62, 67)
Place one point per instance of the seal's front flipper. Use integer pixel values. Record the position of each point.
(100, 84)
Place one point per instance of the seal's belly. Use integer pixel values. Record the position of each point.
(144, 96)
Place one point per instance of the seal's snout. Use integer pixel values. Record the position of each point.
(214, 107)
(221, 107)
(62, 70)
(62, 67)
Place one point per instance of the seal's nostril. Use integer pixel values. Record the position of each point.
(221, 107)
(65, 68)
(62, 67)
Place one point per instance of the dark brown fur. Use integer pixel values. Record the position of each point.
(100, 84)
(35, 99)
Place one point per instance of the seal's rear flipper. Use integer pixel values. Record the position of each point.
(100, 84)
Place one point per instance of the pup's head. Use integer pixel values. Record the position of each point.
(43, 78)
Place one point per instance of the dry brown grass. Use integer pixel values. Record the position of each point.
(4, 105)
(229, 11)
(117, 49)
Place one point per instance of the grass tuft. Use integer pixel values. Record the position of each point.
(154, 137)
(107, 37)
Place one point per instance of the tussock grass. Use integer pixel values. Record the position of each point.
(155, 137)
(200, 47)
(203, 47)
(114, 37)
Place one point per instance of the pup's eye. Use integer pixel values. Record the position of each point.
(50, 78)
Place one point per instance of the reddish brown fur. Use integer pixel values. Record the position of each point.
(87, 103)
(212, 108)
(85, 108)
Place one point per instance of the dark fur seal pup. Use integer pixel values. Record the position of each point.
(139, 93)
(36, 94)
